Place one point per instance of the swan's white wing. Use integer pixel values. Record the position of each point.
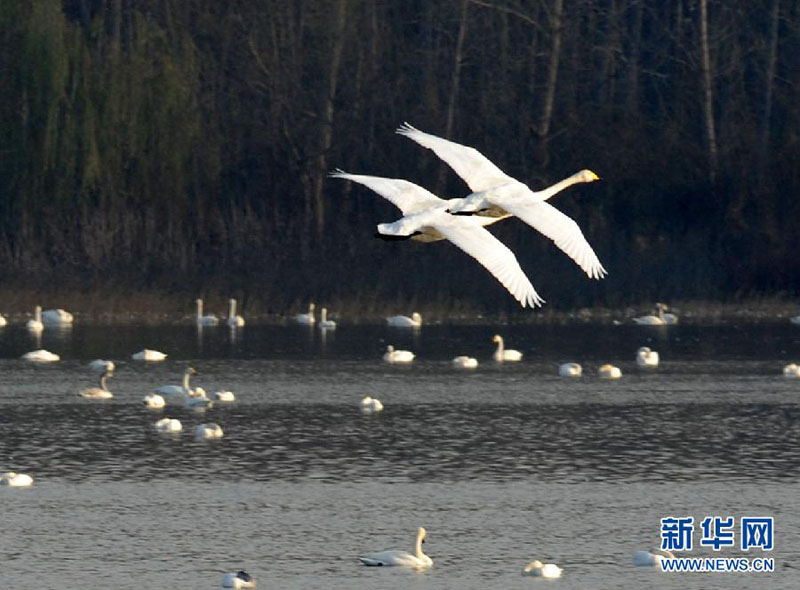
(491, 253)
(472, 166)
(405, 195)
(557, 226)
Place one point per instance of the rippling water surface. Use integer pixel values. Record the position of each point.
(501, 465)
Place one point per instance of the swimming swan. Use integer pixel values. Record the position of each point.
(101, 392)
(426, 219)
(3, 321)
(397, 356)
(306, 318)
(324, 322)
(791, 370)
(168, 425)
(609, 372)
(659, 318)
(154, 401)
(646, 357)
(501, 354)
(209, 430)
(35, 324)
(15, 480)
(465, 362)
(57, 317)
(148, 355)
(403, 321)
(651, 558)
(570, 370)
(204, 320)
(224, 396)
(101, 365)
(233, 321)
(542, 570)
(41, 356)
(179, 390)
(402, 558)
(238, 581)
(496, 194)
(370, 405)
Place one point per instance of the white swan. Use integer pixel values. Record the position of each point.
(494, 193)
(101, 392)
(154, 401)
(542, 570)
(426, 219)
(417, 560)
(646, 357)
(209, 430)
(57, 317)
(148, 355)
(224, 396)
(397, 356)
(651, 558)
(35, 324)
(41, 356)
(306, 318)
(791, 370)
(168, 425)
(465, 362)
(324, 322)
(501, 354)
(204, 320)
(659, 318)
(15, 480)
(238, 580)
(101, 365)
(183, 390)
(403, 321)
(609, 372)
(370, 405)
(570, 370)
(3, 321)
(234, 320)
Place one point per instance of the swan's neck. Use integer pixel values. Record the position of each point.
(103, 378)
(559, 186)
(199, 308)
(418, 547)
(500, 346)
(37, 313)
(232, 309)
(323, 315)
(186, 377)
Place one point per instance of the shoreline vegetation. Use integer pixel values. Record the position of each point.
(163, 308)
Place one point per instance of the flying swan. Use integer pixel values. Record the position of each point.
(426, 219)
(417, 560)
(496, 194)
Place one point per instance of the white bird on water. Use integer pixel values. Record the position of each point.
(148, 355)
(168, 425)
(651, 558)
(208, 430)
(234, 320)
(35, 323)
(418, 559)
(324, 322)
(791, 370)
(183, 390)
(101, 365)
(542, 570)
(15, 480)
(659, 318)
(57, 317)
(646, 357)
(609, 372)
(501, 354)
(101, 392)
(370, 405)
(425, 218)
(238, 581)
(306, 319)
(397, 356)
(3, 321)
(403, 321)
(41, 356)
(494, 193)
(570, 370)
(204, 320)
(154, 401)
(465, 362)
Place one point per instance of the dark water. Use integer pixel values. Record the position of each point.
(501, 465)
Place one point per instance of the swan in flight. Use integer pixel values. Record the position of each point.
(204, 320)
(370, 405)
(659, 318)
(154, 401)
(542, 570)
(306, 318)
(465, 362)
(238, 581)
(609, 372)
(416, 560)
(101, 365)
(570, 370)
(502, 354)
(57, 317)
(651, 558)
(148, 355)
(397, 356)
(403, 321)
(646, 357)
(234, 320)
(209, 430)
(41, 356)
(168, 425)
(35, 323)
(101, 392)
(791, 370)
(426, 219)
(494, 193)
(15, 480)
(324, 322)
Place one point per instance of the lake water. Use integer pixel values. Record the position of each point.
(501, 465)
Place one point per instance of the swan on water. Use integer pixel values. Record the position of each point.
(609, 372)
(542, 570)
(403, 321)
(41, 356)
(224, 396)
(35, 324)
(168, 425)
(15, 480)
(426, 219)
(418, 559)
(651, 558)
(101, 365)
(154, 401)
(324, 322)
(496, 194)
(465, 362)
(3, 321)
(370, 405)
(570, 370)
(306, 318)
(397, 356)
(148, 355)
(646, 357)
(204, 320)
(502, 354)
(183, 390)
(209, 430)
(101, 392)
(238, 580)
(659, 318)
(234, 320)
(791, 370)
(57, 317)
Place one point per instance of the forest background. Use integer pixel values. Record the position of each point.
(182, 147)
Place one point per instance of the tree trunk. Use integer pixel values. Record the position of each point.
(772, 59)
(556, 27)
(708, 96)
